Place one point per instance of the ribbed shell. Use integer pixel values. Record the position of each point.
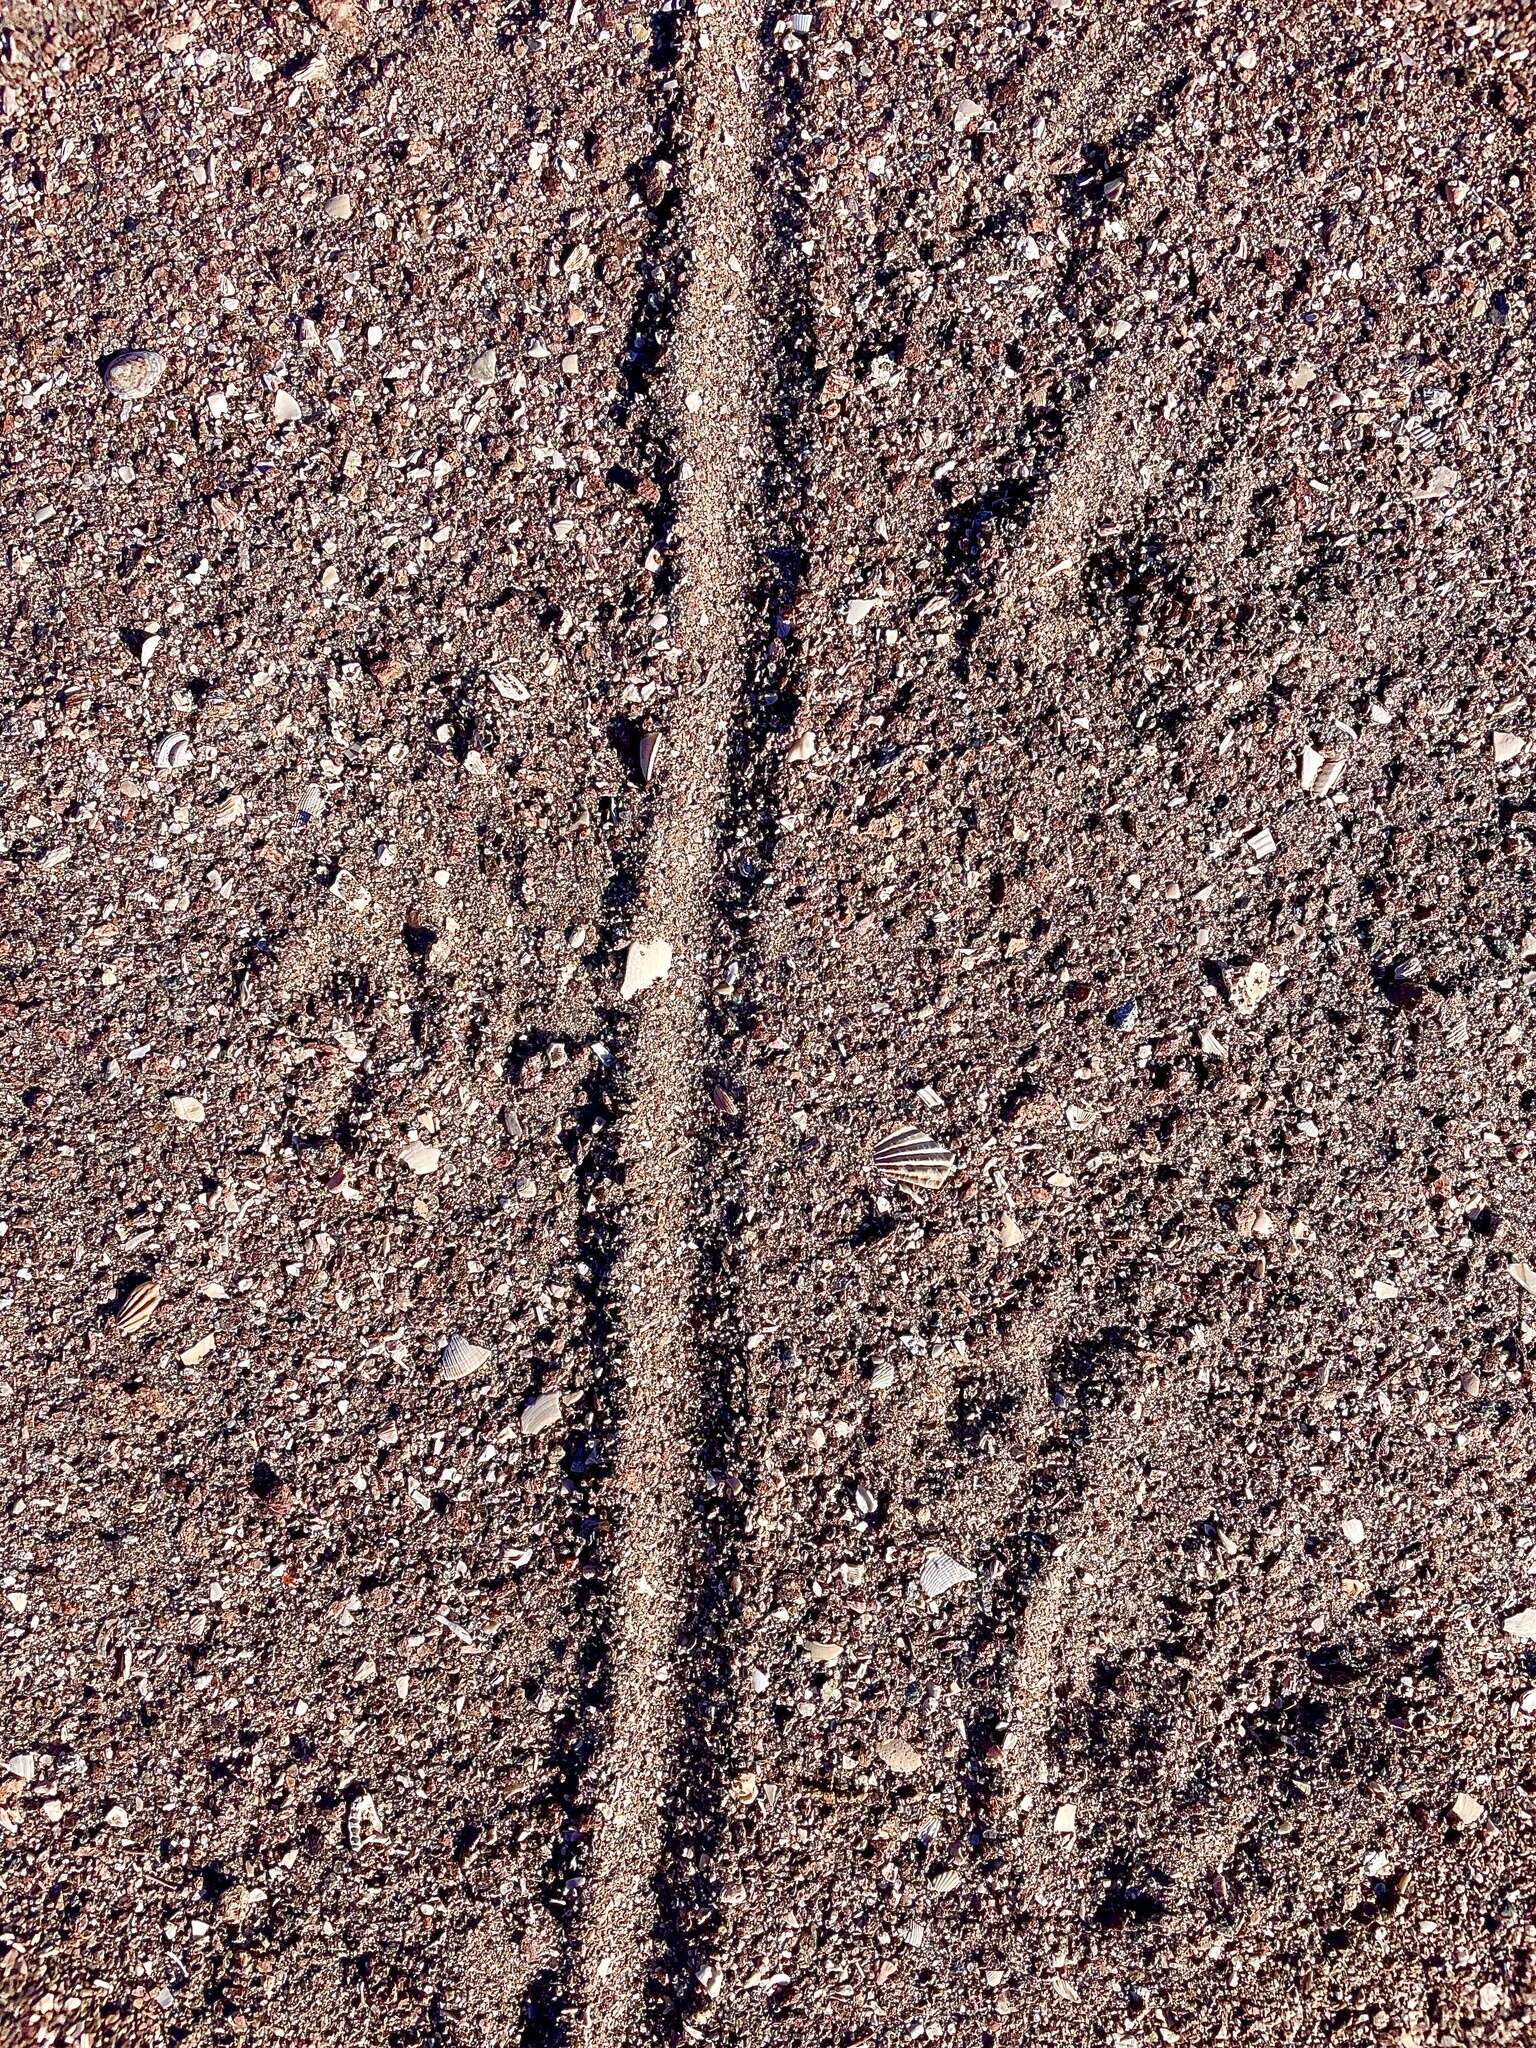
(912, 1159)
(461, 1358)
(542, 1413)
(135, 1309)
(941, 1574)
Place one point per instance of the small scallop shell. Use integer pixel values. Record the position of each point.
(941, 1574)
(911, 1158)
(137, 1307)
(461, 1359)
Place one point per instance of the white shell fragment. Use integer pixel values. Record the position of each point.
(542, 1413)
(133, 372)
(1523, 1275)
(898, 1755)
(1320, 770)
(365, 1824)
(419, 1157)
(1248, 986)
(647, 962)
(461, 1358)
(286, 409)
(187, 1109)
(969, 116)
(859, 609)
(912, 1159)
(174, 751)
(136, 1309)
(802, 747)
(483, 369)
(647, 754)
(1521, 1627)
(942, 1573)
(1507, 746)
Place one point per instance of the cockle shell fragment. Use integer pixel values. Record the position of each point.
(542, 1413)
(942, 1573)
(911, 1158)
(136, 1309)
(461, 1358)
(1320, 770)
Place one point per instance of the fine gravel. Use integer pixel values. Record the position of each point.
(769, 1254)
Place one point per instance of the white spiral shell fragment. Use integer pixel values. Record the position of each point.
(912, 1159)
(941, 1574)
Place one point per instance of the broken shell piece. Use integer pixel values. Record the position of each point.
(1065, 1822)
(1522, 1626)
(1248, 986)
(420, 1157)
(647, 754)
(859, 609)
(1523, 1275)
(969, 116)
(942, 1573)
(898, 1755)
(912, 1159)
(174, 751)
(187, 1109)
(823, 1653)
(1320, 770)
(646, 962)
(133, 372)
(1010, 1232)
(136, 1308)
(365, 1824)
(286, 409)
(541, 1413)
(802, 747)
(461, 1359)
(483, 369)
(883, 1376)
(1507, 746)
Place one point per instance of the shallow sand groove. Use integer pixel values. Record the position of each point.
(657, 1276)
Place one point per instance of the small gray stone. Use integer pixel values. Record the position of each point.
(133, 372)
